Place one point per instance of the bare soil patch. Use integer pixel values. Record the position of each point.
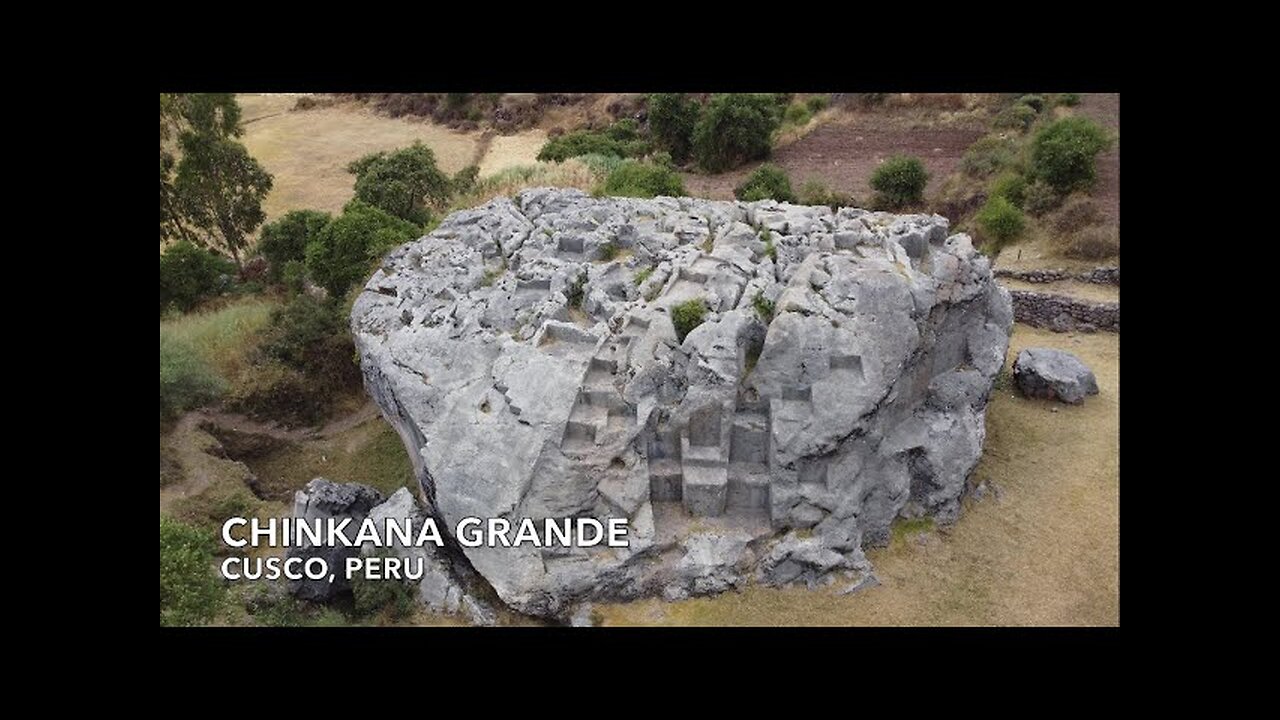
(844, 152)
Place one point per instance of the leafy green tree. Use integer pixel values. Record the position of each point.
(214, 115)
(404, 183)
(1001, 220)
(221, 188)
(672, 117)
(189, 274)
(1064, 153)
(900, 180)
(343, 252)
(735, 128)
(768, 182)
(190, 593)
(285, 240)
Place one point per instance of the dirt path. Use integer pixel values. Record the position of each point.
(196, 451)
(843, 153)
(242, 423)
(1092, 292)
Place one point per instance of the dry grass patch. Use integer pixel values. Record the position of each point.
(307, 152)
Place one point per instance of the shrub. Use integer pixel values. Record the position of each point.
(770, 250)
(768, 182)
(764, 306)
(988, 156)
(622, 139)
(734, 128)
(602, 165)
(642, 275)
(1067, 99)
(1015, 117)
(817, 103)
(285, 240)
(1093, 243)
(1063, 154)
(311, 336)
(294, 276)
(672, 117)
(797, 114)
(190, 593)
(342, 254)
(186, 379)
(275, 391)
(189, 275)
(1012, 187)
(643, 180)
(1077, 213)
(688, 315)
(900, 181)
(1000, 220)
(607, 251)
(306, 360)
(1039, 198)
(402, 183)
(395, 597)
(1035, 102)
(465, 180)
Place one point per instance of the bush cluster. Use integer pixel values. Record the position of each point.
(900, 181)
(632, 178)
(190, 593)
(190, 275)
(1000, 220)
(1064, 153)
(735, 128)
(621, 139)
(767, 182)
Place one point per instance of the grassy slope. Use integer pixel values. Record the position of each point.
(222, 337)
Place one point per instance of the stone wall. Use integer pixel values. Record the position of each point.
(1064, 314)
(1098, 275)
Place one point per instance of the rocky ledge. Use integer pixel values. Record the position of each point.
(526, 353)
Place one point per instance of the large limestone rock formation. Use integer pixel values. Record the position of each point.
(526, 354)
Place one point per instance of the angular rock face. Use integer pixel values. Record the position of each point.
(324, 499)
(526, 354)
(1053, 374)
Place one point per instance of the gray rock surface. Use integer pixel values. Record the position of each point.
(442, 588)
(1053, 374)
(324, 499)
(531, 378)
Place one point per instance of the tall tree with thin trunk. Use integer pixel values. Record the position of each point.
(221, 188)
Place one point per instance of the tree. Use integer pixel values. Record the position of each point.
(403, 183)
(189, 274)
(341, 254)
(210, 114)
(1063, 154)
(221, 188)
(735, 128)
(672, 117)
(285, 240)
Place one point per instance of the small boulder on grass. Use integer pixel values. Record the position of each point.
(1053, 374)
